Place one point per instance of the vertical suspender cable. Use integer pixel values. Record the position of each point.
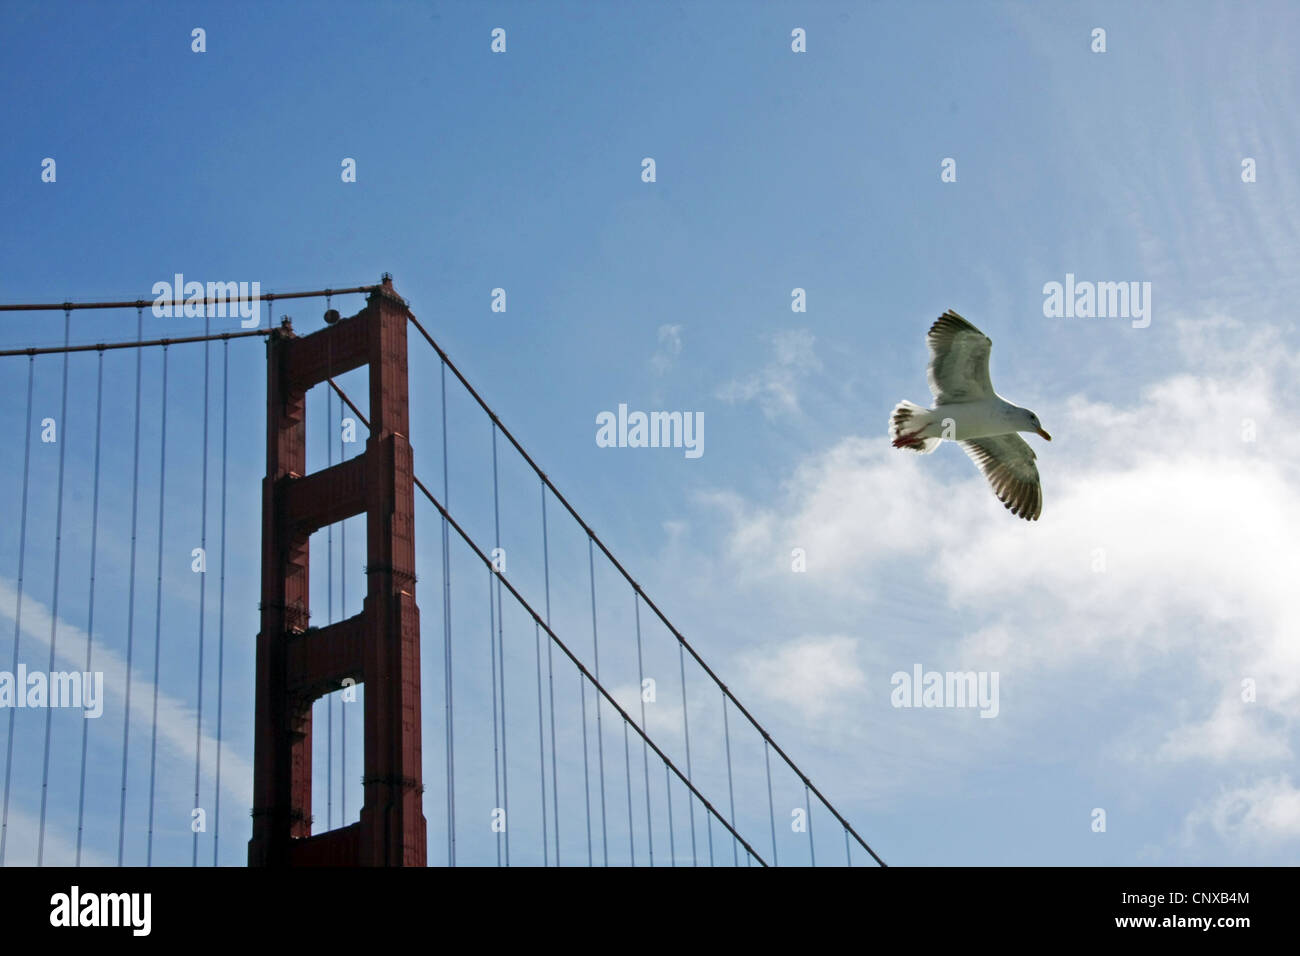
(54, 609)
(708, 826)
(130, 601)
(157, 620)
(672, 839)
(541, 743)
(203, 581)
(812, 847)
(446, 639)
(496, 751)
(221, 619)
(731, 790)
(550, 674)
(848, 853)
(501, 650)
(686, 732)
(627, 766)
(771, 807)
(90, 619)
(586, 771)
(18, 610)
(600, 737)
(645, 748)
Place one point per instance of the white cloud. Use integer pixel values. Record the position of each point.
(1260, 814)
(1198, 531)
(176, 719)
(1236, 731)
(776, 386)
(812, 674)
(60, 847)
(670, 346)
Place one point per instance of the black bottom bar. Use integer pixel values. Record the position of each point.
(825, 908)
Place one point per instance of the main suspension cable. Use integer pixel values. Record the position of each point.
(267, 297)
(110, 346)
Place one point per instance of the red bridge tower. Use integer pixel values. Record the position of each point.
(381, 645)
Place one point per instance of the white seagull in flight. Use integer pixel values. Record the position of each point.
(968, 411)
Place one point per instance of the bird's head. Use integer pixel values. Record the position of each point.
(1030, 423)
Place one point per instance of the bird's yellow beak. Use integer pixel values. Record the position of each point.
(1044, 434)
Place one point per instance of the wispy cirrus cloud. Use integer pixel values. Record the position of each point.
(1257, 814)
(670, 346)
(775, 387)
(814, 675)
(176, 718)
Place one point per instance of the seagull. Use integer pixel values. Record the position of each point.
(968, 411)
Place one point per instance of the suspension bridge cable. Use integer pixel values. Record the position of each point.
(848, 853)
(267, 297)
(110, 346)
(672, 840)
(681, 639)
(627, 764)
(586, 769)
(708, 824)
(130, 603)
(586, 675)
(90, 620)
(157, 620)
(203, 584)
(496, 753)
(771, 807)
(812, 847)
(645, 753)
(221, 620)
(686, 734)
(18, 609)
(541, 744)
(731, 790)
(446, 635)
(600, 736)
(54, 609)
(501, 650)
(550, 675)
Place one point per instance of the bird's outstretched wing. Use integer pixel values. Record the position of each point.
(959, 361)
(1008, 463)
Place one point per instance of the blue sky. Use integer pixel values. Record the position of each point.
(1120, 688)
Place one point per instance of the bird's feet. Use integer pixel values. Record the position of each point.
(909, 441)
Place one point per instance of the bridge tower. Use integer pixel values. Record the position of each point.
(380, 646)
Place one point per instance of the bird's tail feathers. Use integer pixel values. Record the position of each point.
(905, 422)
